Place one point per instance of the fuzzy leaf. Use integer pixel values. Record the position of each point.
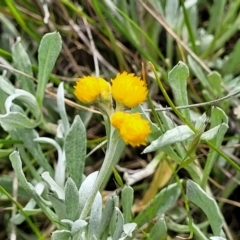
(177, 134)
(177, 78)
(71, 200)
(22, 62)
(159, 230)
(58, 205)
(49, 49)
(106, 217)
(86, 188)
(129, 228)
(59, 175)
(208, 205)
(52, 185)
(13, 120)
(95, 217)
(78, 226)
(27, 99)
(6, 86)
(119, 224)
(75, 150)
(61, 108)
(127, 201)
(213, 132)
(61, 235)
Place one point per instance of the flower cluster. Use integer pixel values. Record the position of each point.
(128, 91)
(90, 89)
(132, 128)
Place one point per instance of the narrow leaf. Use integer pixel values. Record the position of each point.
(119, 224)
(27, 99)
(207, 204)
(177, 78)
(129, 228)
(75, 150)
(61, 108)
(177, 134)
(95, 217)
(106, 217)
(117, 177)
(49, 49)
(23, 63)
(71, 200)
(58, 206)
(6, 86)
(217, 238)
(217, 12)
(215, 81)
(127, 201)
(218, 117)
(59, 175)
(52, 185)
(171, 11)
(159, 230)
(199, 74)
(213, 132)
(112, 225)
(86, 188)
(78, 226)
(13, 120)
(61, 235)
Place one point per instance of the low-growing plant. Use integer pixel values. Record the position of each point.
(73, 201)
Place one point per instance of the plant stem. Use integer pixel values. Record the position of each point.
(21, 210)
(111, 151)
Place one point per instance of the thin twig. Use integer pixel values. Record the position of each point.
(234, 203)
(213, 102)
(93, 48)
(72, 104)
(96, 148)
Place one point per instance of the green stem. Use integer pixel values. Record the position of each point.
(111, 151)
(20, 208)
(213, 102)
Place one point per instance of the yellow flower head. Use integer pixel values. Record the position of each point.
(117, 119)
(129, 90)
(132, 128)
(89, 89)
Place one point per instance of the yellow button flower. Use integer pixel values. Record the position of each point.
(117, 119)
(132, 128)
(129, 90)
(90, 89)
